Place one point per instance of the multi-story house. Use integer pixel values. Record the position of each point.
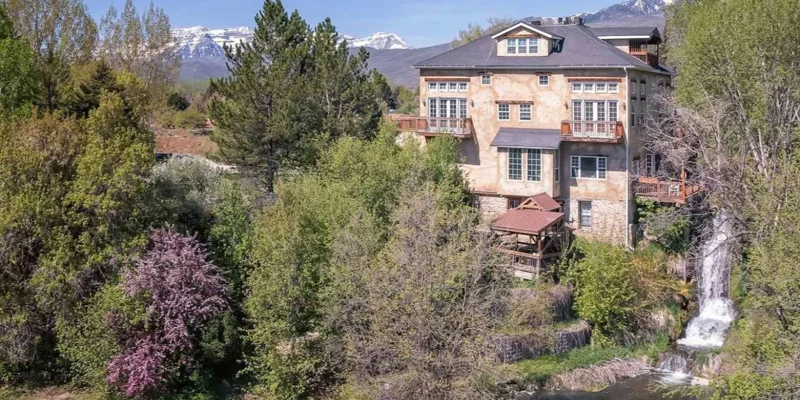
(552, 109)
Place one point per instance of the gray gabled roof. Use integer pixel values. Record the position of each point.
(527, 138)
(580, 48)
(637, 31)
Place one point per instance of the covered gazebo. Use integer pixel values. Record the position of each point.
(532, 234)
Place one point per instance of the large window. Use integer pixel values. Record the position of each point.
(589, 167)
(522, 46)
(503, 111)
(524, 112)
(446, 108)
(586, 214)
(594, 110)
(515, 164)
(534, 165)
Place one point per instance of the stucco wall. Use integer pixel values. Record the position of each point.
(486, 166)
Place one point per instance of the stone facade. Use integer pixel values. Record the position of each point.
(550, 100)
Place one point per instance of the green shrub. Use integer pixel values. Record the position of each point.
(190, 119)
(605, 291)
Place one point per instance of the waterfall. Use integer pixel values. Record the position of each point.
(709, 327)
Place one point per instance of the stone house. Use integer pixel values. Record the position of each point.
(552, 109)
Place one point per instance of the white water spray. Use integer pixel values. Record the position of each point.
(708, 329)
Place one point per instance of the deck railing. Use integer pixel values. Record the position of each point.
(459, 127)
(664, 190)
(646, 56)
(604, 130)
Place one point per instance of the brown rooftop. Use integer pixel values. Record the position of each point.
(526, 221)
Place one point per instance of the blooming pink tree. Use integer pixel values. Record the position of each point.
(183, 292)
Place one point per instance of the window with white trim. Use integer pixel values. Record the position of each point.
(649, 164)
(643, 89)
(585, 208)
(503, 111)
(524, 112)
(511, 46)
(486, 79)
(515, 164)
(534, 165)
(544, 80)
(595, 110)
(595, 87)
(588, 167)
(448, 86)
(522, 46)
(440, 107)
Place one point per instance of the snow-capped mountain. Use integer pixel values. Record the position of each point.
(379, 41)
(627, 9)
(199, 41)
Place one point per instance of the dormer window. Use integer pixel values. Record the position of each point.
(522, 46)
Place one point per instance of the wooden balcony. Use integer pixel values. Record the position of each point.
(592, 131)
(646, 56)
(664, 191)
(457, 127)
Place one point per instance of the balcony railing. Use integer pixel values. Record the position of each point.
(646, 56)
(458, 127)
(664, 190)
(598, 131)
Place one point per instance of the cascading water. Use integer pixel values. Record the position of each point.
(708, 329)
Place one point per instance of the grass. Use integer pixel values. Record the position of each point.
(539, 370)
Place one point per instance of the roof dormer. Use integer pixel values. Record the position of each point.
(525, 39)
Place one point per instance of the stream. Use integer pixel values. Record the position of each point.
(705, 332)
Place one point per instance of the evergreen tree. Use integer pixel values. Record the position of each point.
(291, 91)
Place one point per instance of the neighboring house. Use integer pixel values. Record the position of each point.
(552, 109)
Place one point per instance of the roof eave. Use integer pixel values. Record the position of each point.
(526, 26)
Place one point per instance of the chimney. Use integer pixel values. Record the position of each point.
(571, 20)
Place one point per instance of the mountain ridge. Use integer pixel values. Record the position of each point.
(203, 58)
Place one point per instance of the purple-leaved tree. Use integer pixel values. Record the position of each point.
(183, 291)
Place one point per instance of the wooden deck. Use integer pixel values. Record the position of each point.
(664, 191)
(428, 127)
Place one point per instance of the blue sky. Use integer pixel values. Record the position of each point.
(420, 22)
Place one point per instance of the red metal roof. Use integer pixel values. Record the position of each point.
(546, 202)
(526, 221)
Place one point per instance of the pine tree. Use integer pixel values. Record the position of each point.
(291, 92)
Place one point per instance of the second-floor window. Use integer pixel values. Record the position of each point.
(486, 79)
(524, 112)
(534, 165)
(503, 111)
(447, 107)
(595, 110)
(590, 167)
(515, 164)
